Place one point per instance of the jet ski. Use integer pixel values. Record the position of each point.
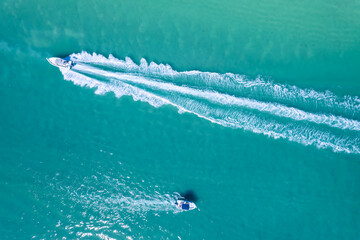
(61, 63)
(185, 205)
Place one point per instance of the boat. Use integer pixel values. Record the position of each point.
(185, 205)
(61, 63)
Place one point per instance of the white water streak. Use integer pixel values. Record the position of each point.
(219, 107)
(234, 84)
(219, 98)
(116, 196)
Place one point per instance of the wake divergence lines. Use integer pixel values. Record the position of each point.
(299, 115)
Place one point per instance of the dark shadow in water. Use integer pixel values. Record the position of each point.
(189, 195)
(64, 56)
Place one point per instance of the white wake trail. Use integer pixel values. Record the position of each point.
(219, 98)
(114, 195)
(269, 118)
(234, 84)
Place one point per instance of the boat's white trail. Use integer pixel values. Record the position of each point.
(275, 119)
(118, 202)
(114, 195)
(105, 202)
(225, 99)
(234, 84)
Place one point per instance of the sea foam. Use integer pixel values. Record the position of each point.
(275, 110)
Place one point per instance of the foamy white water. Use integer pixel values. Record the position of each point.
(207, 98)
(233, 83)
(212, 96)
(130, 200)
(104, 202)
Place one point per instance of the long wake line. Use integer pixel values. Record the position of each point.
(231, 100)
(275, 109)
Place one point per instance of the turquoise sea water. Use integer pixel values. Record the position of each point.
(251, 108)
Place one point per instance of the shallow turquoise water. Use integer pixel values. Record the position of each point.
(266, 157)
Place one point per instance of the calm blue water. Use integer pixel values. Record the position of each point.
(250, 109)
